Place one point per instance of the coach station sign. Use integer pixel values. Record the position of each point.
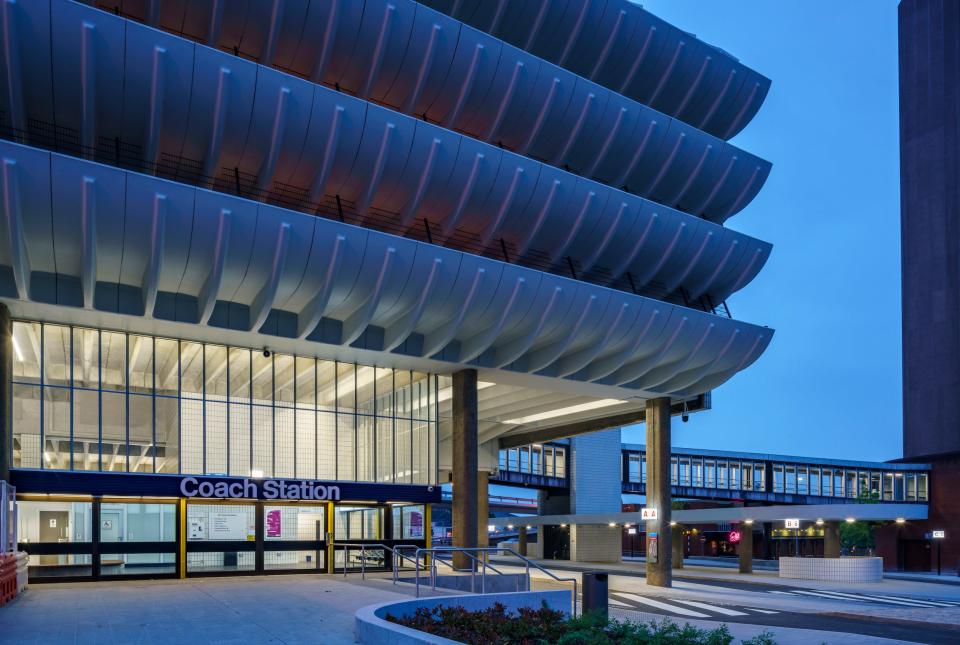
(300, 489)
(113, 484)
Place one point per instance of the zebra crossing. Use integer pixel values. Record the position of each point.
(899, 601)
(681, 608)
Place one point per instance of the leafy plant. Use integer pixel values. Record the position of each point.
(497, 626)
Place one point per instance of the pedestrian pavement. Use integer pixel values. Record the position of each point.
(295, 609)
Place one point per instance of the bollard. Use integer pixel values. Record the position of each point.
(595, 593)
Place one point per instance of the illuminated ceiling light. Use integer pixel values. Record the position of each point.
(900, 520)
(529, 526)
(446, 393)
(510, 526)
(16, 349)
(819, 522)
(748, 522)
(613, 524)
(256, 473)
(570, 409)
(563, 526)
(673, 523)
(850, 520)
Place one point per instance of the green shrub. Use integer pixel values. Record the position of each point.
(543, 626)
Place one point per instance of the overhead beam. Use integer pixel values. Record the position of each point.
(595, 425)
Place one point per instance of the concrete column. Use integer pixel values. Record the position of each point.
(465, 448)
(831, 539)
(483, 508)
(678, 539)
(522, 539)
(745, 548)
(6, 394)
(658, 491)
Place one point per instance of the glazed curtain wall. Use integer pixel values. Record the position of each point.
(90, 399)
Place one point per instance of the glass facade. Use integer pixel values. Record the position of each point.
(798, 479)
(98, 400)
(538, 459)
(833, 481)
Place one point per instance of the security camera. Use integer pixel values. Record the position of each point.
(266, 353)
(685, 415)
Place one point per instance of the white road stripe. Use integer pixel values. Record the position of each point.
(849, 596)
(762, 611)
(820, 594)
(782, 593)
(617, 603)
(716, 608)
(662, 605)
(932, 603)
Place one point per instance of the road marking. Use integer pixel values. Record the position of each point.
(782, 593)
(762, 611)
(617, 603)
(662, 605)
(838, 595)
(820, 594)
(932, 603)
(716, 608)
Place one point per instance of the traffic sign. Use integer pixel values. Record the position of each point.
(792, 523)
(648, 513)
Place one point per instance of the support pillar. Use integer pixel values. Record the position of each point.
(483, 508)
(659, 535)
(831, 539)
(465, 450)
(522, 539)
(6, 394)
(745, 548)
(678, 539)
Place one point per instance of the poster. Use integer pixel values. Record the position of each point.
(227, 525)
(197, 529)
(274, 526)
(416, 525)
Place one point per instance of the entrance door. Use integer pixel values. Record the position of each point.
(54, 527)
(110, 529)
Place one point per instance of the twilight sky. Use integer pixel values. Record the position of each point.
(829, 384)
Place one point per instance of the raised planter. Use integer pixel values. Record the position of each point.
(372, 626)
(851, 569)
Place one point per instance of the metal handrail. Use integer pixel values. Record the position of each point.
(469, 551)
(364, 546)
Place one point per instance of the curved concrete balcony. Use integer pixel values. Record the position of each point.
(96, 240)
(620, 45)
(423, 63)
(142, 98)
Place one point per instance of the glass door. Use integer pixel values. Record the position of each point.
(221, 538)
(138, 539)
(294, 537)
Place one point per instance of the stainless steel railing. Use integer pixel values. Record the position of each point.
(367, 546)
(484, 565)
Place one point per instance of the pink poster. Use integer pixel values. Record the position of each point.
(273, 524)
(416, 525)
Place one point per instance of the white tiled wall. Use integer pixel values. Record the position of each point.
(833, 569)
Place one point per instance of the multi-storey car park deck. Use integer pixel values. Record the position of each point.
(357, 242)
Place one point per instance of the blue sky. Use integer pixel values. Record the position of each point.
(829, 384)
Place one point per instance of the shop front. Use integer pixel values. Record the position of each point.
(166, 526)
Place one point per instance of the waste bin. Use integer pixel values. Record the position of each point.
(595, 592)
